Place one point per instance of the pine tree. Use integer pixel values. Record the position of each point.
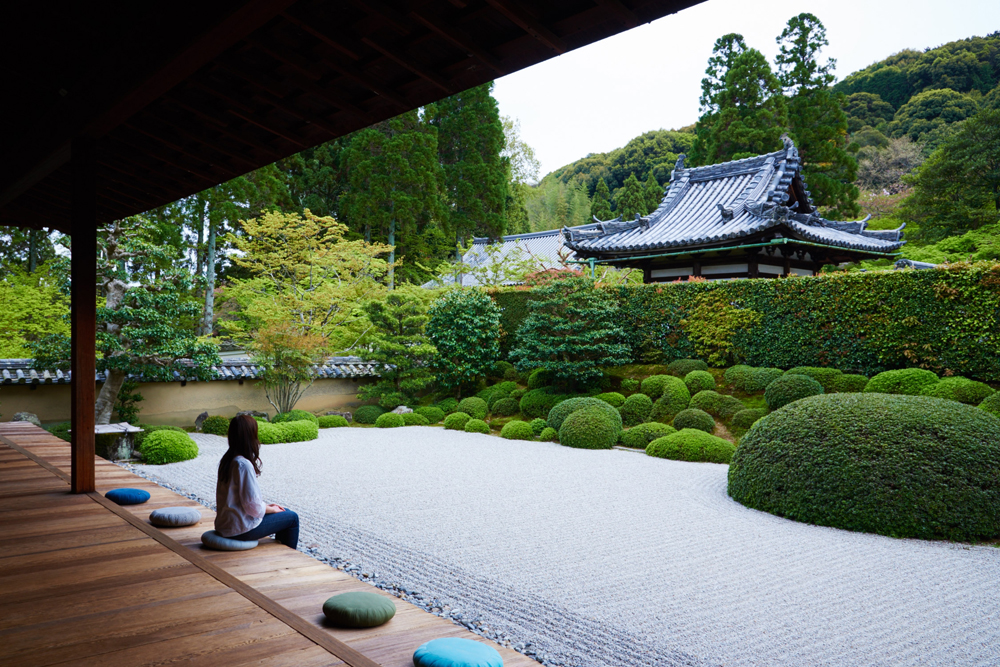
(816, 119)
(630, 200)
(654, 193)
(600, 205)
(724, 53)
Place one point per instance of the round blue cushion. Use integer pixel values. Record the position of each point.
(127, 496)
(454, 652)
(213, 540)
(169, 517)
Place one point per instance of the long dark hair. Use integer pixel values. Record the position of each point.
(242, 442)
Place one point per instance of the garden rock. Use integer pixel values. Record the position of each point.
(346, 415)
(26, 417)
(254, 413)
(200, 420)
(402, 410)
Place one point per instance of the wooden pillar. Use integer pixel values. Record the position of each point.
(695, 267)
(752, 270)
(83, 325)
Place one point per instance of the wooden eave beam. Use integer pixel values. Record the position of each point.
(407, 62)
(521, 17)
(461, 40)
(625, 15)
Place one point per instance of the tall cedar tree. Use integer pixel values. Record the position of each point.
(400, 344)
(572, 331)
(600, 205)
(394, 194)
(316, 177)
(464, 326)
(476, 174)
(630, 200)
(724, 53)
(653, 192)
(816, 119)
(523, 167)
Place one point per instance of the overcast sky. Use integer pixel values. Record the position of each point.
(597, 98)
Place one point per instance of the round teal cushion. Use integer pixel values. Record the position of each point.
(454, 652)
(359, 610)
(127, 496)
(169, 517)
(213, 540)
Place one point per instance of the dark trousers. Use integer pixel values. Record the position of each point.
(283, 525)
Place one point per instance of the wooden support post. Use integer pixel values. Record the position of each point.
(83, 326)
(752, 269)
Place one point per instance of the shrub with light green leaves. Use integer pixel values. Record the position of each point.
(538, 425)
(505, 407)
(850, 383)
(790, 388)
(215, 425)
(517, 394)
(367, 414)
(517, 430)
(294, 416)
(638, 437)
(655, 385)
(907, 381)
(630, 385)
(992, 405)
(432, 414)
(139, 437)
(477, 426)
(390, 420)
(694, 418)
(456, 421)
(473, 406)
(561, 411)
(683, 367)
(827, 377)
(548, 435)
(697, 381)
(447, 405)
(612, 398)
(635, 410)
(161, 447)
(692, 445)
(414, 419)
(333, 421)
(675, 398)
(589, 428)
(960, 389)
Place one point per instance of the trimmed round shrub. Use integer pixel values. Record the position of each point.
(216, 425)
(992, 405)
(431, 413)
(694, 418)
(750, 380)
(477, 426)
(295, 416)
(456, 421)
(635, 410)
(270, 434)
(548, 435)
(728, 407)
(139, 437)
(692, 445)
(675, 398)
(850, 383)
(473, 406)
(540, 378)
(390, 420)
(299, 431)
(448, 405)
(697, 381)
(683, 367)
(506, 387)
(492, 397)
(538, 425)
(736, 375)
(907, 381)
(790, 388)
(748, 417)
(502, 368)
(707, 400)
(415, 419)
(827, 377)
(538, 402)
(903, 466)
(333, 421)
(630, 386)
(517, 394)
(505, 407)
(561, 411)
(960, 389)
(655, 385)
(589, 428)
(638, 437)
(162, 447)
(367, 414)
(612, 398)
(517, 431)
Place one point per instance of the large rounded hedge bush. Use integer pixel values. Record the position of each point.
(160, 447)
(561, 411)
(333, 421)
(827, 377)
(904, 466)
(692, 445)
(517, 431)
(414, 419)
(675, 397)
(140, 437)
(538, 425)
(907, 381)
(298, 431)
(694, 418)
(747, 418)
(655, 385)
(456, 421)
(697, 381)
(612, 398)
(992, 405)
(295, 416)
(540, 378)
(473, 406)
(477, 426)
(367, 414)
(216, 425)
(716, 404)
(635, 410)
(683, 367)
(390, 420)
(505, 407)
(790, 388)
(537, 403)
(432, 414)
(960, 389)
(638, 437)
(751, 380)
(590, 428)
(850, 383)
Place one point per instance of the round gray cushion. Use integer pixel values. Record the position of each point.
(169, 517)
(213, 540)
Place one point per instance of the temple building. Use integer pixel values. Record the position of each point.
(750, 218)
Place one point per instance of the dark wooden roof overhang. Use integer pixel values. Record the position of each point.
(181, 96)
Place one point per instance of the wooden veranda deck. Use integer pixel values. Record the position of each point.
(86, 582)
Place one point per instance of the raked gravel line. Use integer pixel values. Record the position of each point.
(613, 558)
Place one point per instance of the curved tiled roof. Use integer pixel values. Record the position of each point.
(19, 371)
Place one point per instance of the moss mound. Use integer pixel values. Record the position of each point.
(694, 418)
(390, 420)
(692, 445)
(789, 388)
(367, 414)
(827, 377)
(904, 466)
(747, 418)
(538, 425)
(697, 381)
(295, 416)
(683, 367)
(216, 425)
(415, 419)
(561, 411)
(162, 447)
(548, 435)
(638, 437)
(473, 406)
(517, 431)
(432, 414)
(992, 405)
(590, 428)
(907, 381)
(850, 383)
(505, 407)
(612, 398)
(456, 421)
(333, 421)
(635, 410)
(477, 426)
(960, 389)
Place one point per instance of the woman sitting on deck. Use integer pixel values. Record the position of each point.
(240, 512)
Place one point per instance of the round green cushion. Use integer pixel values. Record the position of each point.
(359, 610)
(455, 652)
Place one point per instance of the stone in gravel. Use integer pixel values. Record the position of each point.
(26, 417)
(346, 415)
(200, 420)
(402, 410)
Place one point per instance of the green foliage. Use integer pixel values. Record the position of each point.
(692, 445)
(216, 425)
(711, 325)
(908, 381)
(654, 385)
(789, 388)
(504, 370)
(612, 398)
(639, 436)
(866, 110)
(978, 245)
(716, 404)
(367, 414)
(62, 431)
(517, 394)
(390, 420)
(590, 428)
(431, 413)
(34, 309)
(694, 418)
(333, 421)
(828, 377)
(751, 380)
(697, 381)
(294, 416)
(674, 398)
(456, 421)
(146, 430)
(903, 466)
(600, 205)
(849, 382)
(960, 389)
(127, 404)
(635, 410)
(561, 411)
(548, 435)
(630, 200)
(746, 418)
(518, 431)
(571, 331)
(538, 425)
(928, 113)
(464, 326)
(477, 426)
(992, 405)
(293, 431)
(167, 446)
(630, 385)
(474, 407)
(505, 407)
(681, 367)
(415, 419)
(540, 377)
(448, 405)
(536, 403)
